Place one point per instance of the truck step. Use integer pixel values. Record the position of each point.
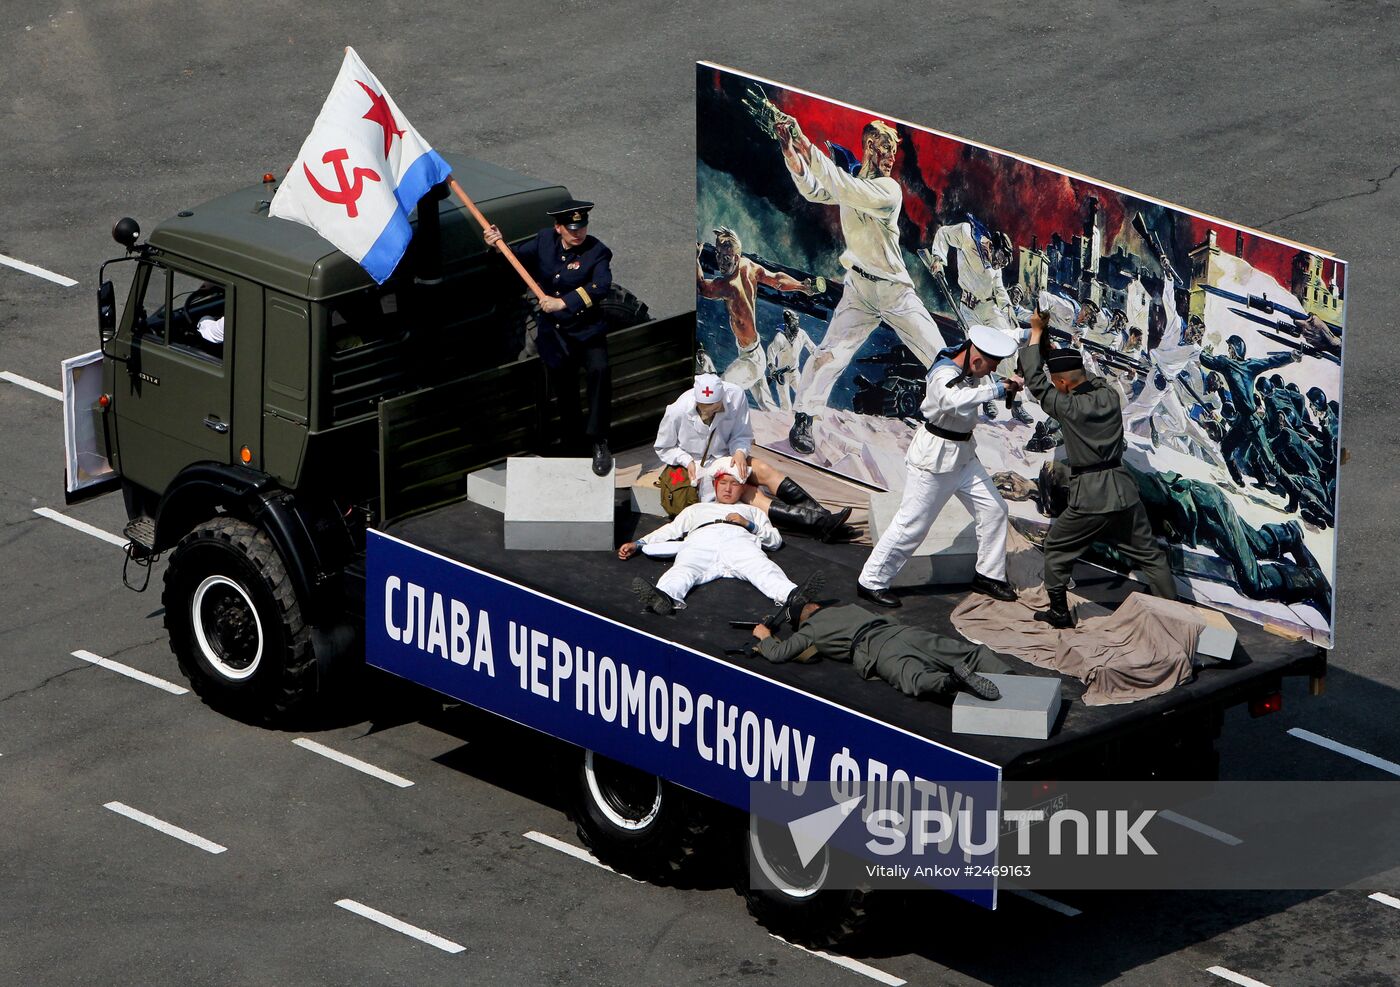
(141, 532)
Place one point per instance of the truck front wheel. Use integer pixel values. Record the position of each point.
(634, 821)
(235, 622)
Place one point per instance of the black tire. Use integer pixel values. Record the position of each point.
(636, 822)
(791, 899)
(235, 622)
(622, 308)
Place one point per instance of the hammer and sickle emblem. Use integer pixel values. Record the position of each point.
(350, 190)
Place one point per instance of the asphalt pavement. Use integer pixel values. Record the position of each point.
(279, 865)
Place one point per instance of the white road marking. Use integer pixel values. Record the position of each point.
(38, 272)
(1044, 902)
(353, 762)
(82, 526)
(1355, 753)
(1235, 978)
(131, 673)
(880, 976)
(578, 853)
(1385, 899)
(1199, 827)
(389, 922)
(32, 385)
(168, 829)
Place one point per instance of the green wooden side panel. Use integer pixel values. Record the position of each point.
(429, 441)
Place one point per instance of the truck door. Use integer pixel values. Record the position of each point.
(175, 408)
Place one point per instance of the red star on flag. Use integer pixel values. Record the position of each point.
(380, 113)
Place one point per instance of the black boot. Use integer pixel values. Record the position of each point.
(602, 459)
(879, 597)
(997, 589)
(800, 435)
(804, 593)
(652, 599)
(1020, 414)
(817, 523)
(979, 685)
(1059, 615)
(989, 408)
(790, 493)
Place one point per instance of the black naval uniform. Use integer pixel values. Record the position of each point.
(1104, 504)
(576, 338)
(915, 661)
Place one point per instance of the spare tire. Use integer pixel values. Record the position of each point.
(622, 308)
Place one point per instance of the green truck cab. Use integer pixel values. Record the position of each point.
(258, 461)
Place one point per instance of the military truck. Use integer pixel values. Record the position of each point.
(256, 460)
(307, 476)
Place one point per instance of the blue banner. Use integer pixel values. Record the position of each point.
(699, 721)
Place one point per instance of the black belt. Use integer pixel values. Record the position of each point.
(871, 277)
(947, 433)
(1107, 464)
(861, 634)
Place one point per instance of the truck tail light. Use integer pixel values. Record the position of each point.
(103, 401)
(246, 455)
(1264, 705)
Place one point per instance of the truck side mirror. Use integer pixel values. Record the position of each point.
(106, 309)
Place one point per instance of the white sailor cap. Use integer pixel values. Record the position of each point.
(707, 389)
(992, 342)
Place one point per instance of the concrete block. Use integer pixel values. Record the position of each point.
(646, 495)
(1218, 635)
(1027, 708)
(558, 504)
(949, 551)
(487, 487)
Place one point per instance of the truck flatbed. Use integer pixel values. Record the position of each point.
(598, 582)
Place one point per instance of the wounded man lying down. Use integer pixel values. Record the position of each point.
(915, 661)
(711, 541)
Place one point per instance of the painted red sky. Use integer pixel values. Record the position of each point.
(1022, 199)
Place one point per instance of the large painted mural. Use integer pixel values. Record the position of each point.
(839, 250)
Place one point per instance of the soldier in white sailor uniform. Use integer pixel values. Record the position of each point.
(877, 287)
(985, 300)
(785, 357)
(720, 539)
(942, 462)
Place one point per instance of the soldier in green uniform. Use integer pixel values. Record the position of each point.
(1103, 504)
(915, 661)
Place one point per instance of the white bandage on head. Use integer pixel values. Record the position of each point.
(707, 389)
(724, 466)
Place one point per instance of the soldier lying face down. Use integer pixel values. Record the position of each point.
(915, 661)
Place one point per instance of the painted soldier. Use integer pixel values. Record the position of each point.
(572, 268)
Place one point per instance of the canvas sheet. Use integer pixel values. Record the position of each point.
(838, 250)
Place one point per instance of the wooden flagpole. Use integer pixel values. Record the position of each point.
(502, 246)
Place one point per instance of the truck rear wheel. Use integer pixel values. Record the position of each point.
(791, 898)
(235, 622)
(634, 821)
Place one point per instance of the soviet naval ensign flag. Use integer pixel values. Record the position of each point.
(360, 173)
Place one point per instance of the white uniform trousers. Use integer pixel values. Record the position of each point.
(719, 550)
(864, 305)
(749, 372)
(925, 494)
